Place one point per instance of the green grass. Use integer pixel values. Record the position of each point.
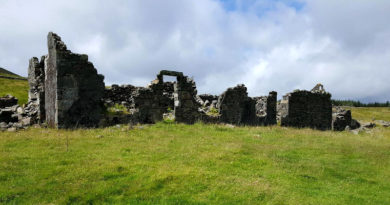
(171, 163)
(370, 114)
(17, 88)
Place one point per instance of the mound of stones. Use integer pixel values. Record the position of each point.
(13, 116)
(342, 120)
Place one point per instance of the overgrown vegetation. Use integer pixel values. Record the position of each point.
(354, 103)
(213, 112)
(117, 108)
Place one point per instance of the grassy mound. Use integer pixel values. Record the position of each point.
(171, 163)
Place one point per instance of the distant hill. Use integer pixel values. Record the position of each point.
(5, 72)
(13, 84)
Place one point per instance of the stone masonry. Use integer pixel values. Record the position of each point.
(307, 109)
(36, 93)
(186, 104)
(8, 101)
(235, 107)
(73, 88)
(266, 108)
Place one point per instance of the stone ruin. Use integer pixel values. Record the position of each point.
(67, 92)
(12, 116)
(149, 104)
(342, 120)
(235, 107)
(36, 93)
(73, 88)
(311, 109)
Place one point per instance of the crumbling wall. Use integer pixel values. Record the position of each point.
(307, 109)
(119, 95)
(235, 107)
(73, 89)
(8, 106)
(36, 94)
(207, 99)
(186, 104)
(8, 101)
(124, 94)
(266, 109)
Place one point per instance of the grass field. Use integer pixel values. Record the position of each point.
(370, 114)
(17, 88)
(171, 163)
(201, 164)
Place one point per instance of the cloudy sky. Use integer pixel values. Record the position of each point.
(268, 45)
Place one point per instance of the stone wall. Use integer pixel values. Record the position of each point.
(8, 101)
(36, 93)
(186, 104)
(207, 99)
(73, 89)
(266, 108)
(119, 94)
(307, 109)
(235, 107)
(149, 104)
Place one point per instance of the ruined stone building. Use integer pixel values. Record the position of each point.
(307, 109)
(66, 91)
(235, 107)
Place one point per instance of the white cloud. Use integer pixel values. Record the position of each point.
(267, 45)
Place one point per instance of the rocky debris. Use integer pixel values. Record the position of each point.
(8, 101)
(13, 117)
(307, 109)
(7, 115)
(206, 99)
(342, 120)
(368, 125)
(383, 123)
(73, 88)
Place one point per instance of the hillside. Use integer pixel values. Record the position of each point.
(16, 87)
(5, 72)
